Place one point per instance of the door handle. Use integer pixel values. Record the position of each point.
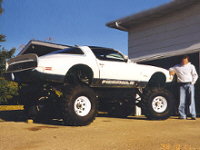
(101, 64)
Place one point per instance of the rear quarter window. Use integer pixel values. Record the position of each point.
(69, 51)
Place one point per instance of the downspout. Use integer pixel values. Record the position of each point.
(120, 27)
(199, 64)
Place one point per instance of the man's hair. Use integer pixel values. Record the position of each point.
(185, 57)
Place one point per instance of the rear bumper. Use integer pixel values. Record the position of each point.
(33, 76)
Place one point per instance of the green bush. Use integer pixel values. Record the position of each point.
(8, 90)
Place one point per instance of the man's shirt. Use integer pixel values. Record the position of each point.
(185, 73)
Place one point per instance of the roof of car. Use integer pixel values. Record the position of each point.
(105, 48)
(98, 47)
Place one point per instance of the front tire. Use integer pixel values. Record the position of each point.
(158, 103)
(79, 105)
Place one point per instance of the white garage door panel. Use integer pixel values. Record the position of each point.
(181, 47)
(192, 38)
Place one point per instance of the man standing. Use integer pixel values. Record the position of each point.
(186, 78)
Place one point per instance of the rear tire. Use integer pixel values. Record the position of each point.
(158, 103)
(79, 105)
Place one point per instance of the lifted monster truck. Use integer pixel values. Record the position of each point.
(74, 83)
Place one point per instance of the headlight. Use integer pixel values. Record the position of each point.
(7, 66)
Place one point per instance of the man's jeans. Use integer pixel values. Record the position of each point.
(187, 101)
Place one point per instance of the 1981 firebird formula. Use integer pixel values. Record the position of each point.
(89, 79)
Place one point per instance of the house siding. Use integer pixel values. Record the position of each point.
(177, 31)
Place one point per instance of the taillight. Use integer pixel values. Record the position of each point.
(47, 68)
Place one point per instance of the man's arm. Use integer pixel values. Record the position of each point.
(172, 71)
(194, 75)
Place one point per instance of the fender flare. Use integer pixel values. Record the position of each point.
(82, 67)
(157, 79)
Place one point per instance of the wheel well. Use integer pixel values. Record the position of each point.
(157, 79)
(80, 67)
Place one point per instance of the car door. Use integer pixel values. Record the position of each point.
(113, 66)
(119, 70)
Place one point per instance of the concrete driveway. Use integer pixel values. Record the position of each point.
(133, 133)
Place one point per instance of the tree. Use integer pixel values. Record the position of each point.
(1, 9)
(8, 89)
(4, 55)
(2, 37)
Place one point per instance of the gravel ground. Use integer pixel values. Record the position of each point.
(133, 133)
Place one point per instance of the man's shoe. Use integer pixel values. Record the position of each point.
(193, 118)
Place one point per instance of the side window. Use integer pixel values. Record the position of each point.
(108, 55)
(114, 57)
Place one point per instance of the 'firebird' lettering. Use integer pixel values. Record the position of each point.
(118, 82)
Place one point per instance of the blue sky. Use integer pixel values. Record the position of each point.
(70, 22)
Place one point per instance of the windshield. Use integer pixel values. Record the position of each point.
(108, 54)
(73, 50)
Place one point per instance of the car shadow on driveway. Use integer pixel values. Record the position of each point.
(18, 116)
(129, 117)
(12, 115)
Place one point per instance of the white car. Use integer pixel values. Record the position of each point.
(89, 74)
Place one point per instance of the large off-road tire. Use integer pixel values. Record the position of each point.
(158, 103)
(121, 109)
(79, 105)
